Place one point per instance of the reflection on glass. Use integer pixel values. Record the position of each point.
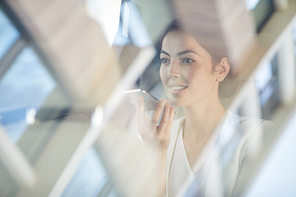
(222, 154)
(277, 175)
(89, 178)
(113, 194)
(106, 13)
(120, 39)
(24, 86)
(251, 4)
(294, 38)
(8, 34)
(268, 87)
(264, 76)
(137, 29)
(132, 28)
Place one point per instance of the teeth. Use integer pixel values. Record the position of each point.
(178, 87)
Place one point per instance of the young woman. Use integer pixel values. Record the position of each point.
(194, 66)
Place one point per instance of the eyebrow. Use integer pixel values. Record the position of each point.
(180, 53)
(162, 51)
(187, 51)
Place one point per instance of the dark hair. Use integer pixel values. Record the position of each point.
(208, 33)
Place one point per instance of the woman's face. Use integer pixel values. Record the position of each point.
(186, 70)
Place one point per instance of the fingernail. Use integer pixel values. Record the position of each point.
(163, 101)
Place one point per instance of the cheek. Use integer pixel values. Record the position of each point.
(198, 78)
(191, 76)
(163, 75)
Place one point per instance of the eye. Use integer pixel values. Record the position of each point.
(188, 60)
(164, 61)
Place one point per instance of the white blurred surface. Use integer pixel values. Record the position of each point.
(107, 14)
(277, 176)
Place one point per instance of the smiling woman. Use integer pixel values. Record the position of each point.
(192, 67)
(206, 32)
(196, 72)
(186, 70)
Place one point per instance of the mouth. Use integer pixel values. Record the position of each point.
(177, 89)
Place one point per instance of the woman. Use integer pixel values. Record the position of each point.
(194, 66)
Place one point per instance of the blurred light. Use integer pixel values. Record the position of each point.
(97, 117)
(119, 38)
(266, 95)
(30, 116)
(125, 20)
(294, 38)
(137, 28)
(107, 14)
(263, 76)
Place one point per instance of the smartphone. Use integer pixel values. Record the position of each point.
(150, 102)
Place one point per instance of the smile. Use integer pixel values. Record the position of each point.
(177, 89)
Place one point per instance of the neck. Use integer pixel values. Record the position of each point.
(203, 117)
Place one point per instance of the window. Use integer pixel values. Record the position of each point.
(132, 28)
(294, 38)
(262, 10)
(24, 87)
(8, 34)
(90, 178)
(28, 90)
(268, 87)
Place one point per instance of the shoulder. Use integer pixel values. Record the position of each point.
(247, 139)
(247, 125)
(251, 133)
(246, 135)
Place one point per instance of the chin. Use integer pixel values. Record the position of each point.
(177, 102)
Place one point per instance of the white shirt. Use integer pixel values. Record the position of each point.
(232, 146)
(182, 175)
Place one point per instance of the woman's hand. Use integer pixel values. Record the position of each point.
(156, 136)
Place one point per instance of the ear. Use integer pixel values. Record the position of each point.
(222, 69)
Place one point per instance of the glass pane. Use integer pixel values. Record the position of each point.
(263, 10)
(251, 4)
(8, 34)
(264, 75)
(294, 37)
(268, 87)
(277, 175)
(89, 178)
(23, 89)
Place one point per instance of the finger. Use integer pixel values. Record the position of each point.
(167, 131)
(164, 119)
(156, 115)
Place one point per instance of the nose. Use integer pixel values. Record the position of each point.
(174, 70)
